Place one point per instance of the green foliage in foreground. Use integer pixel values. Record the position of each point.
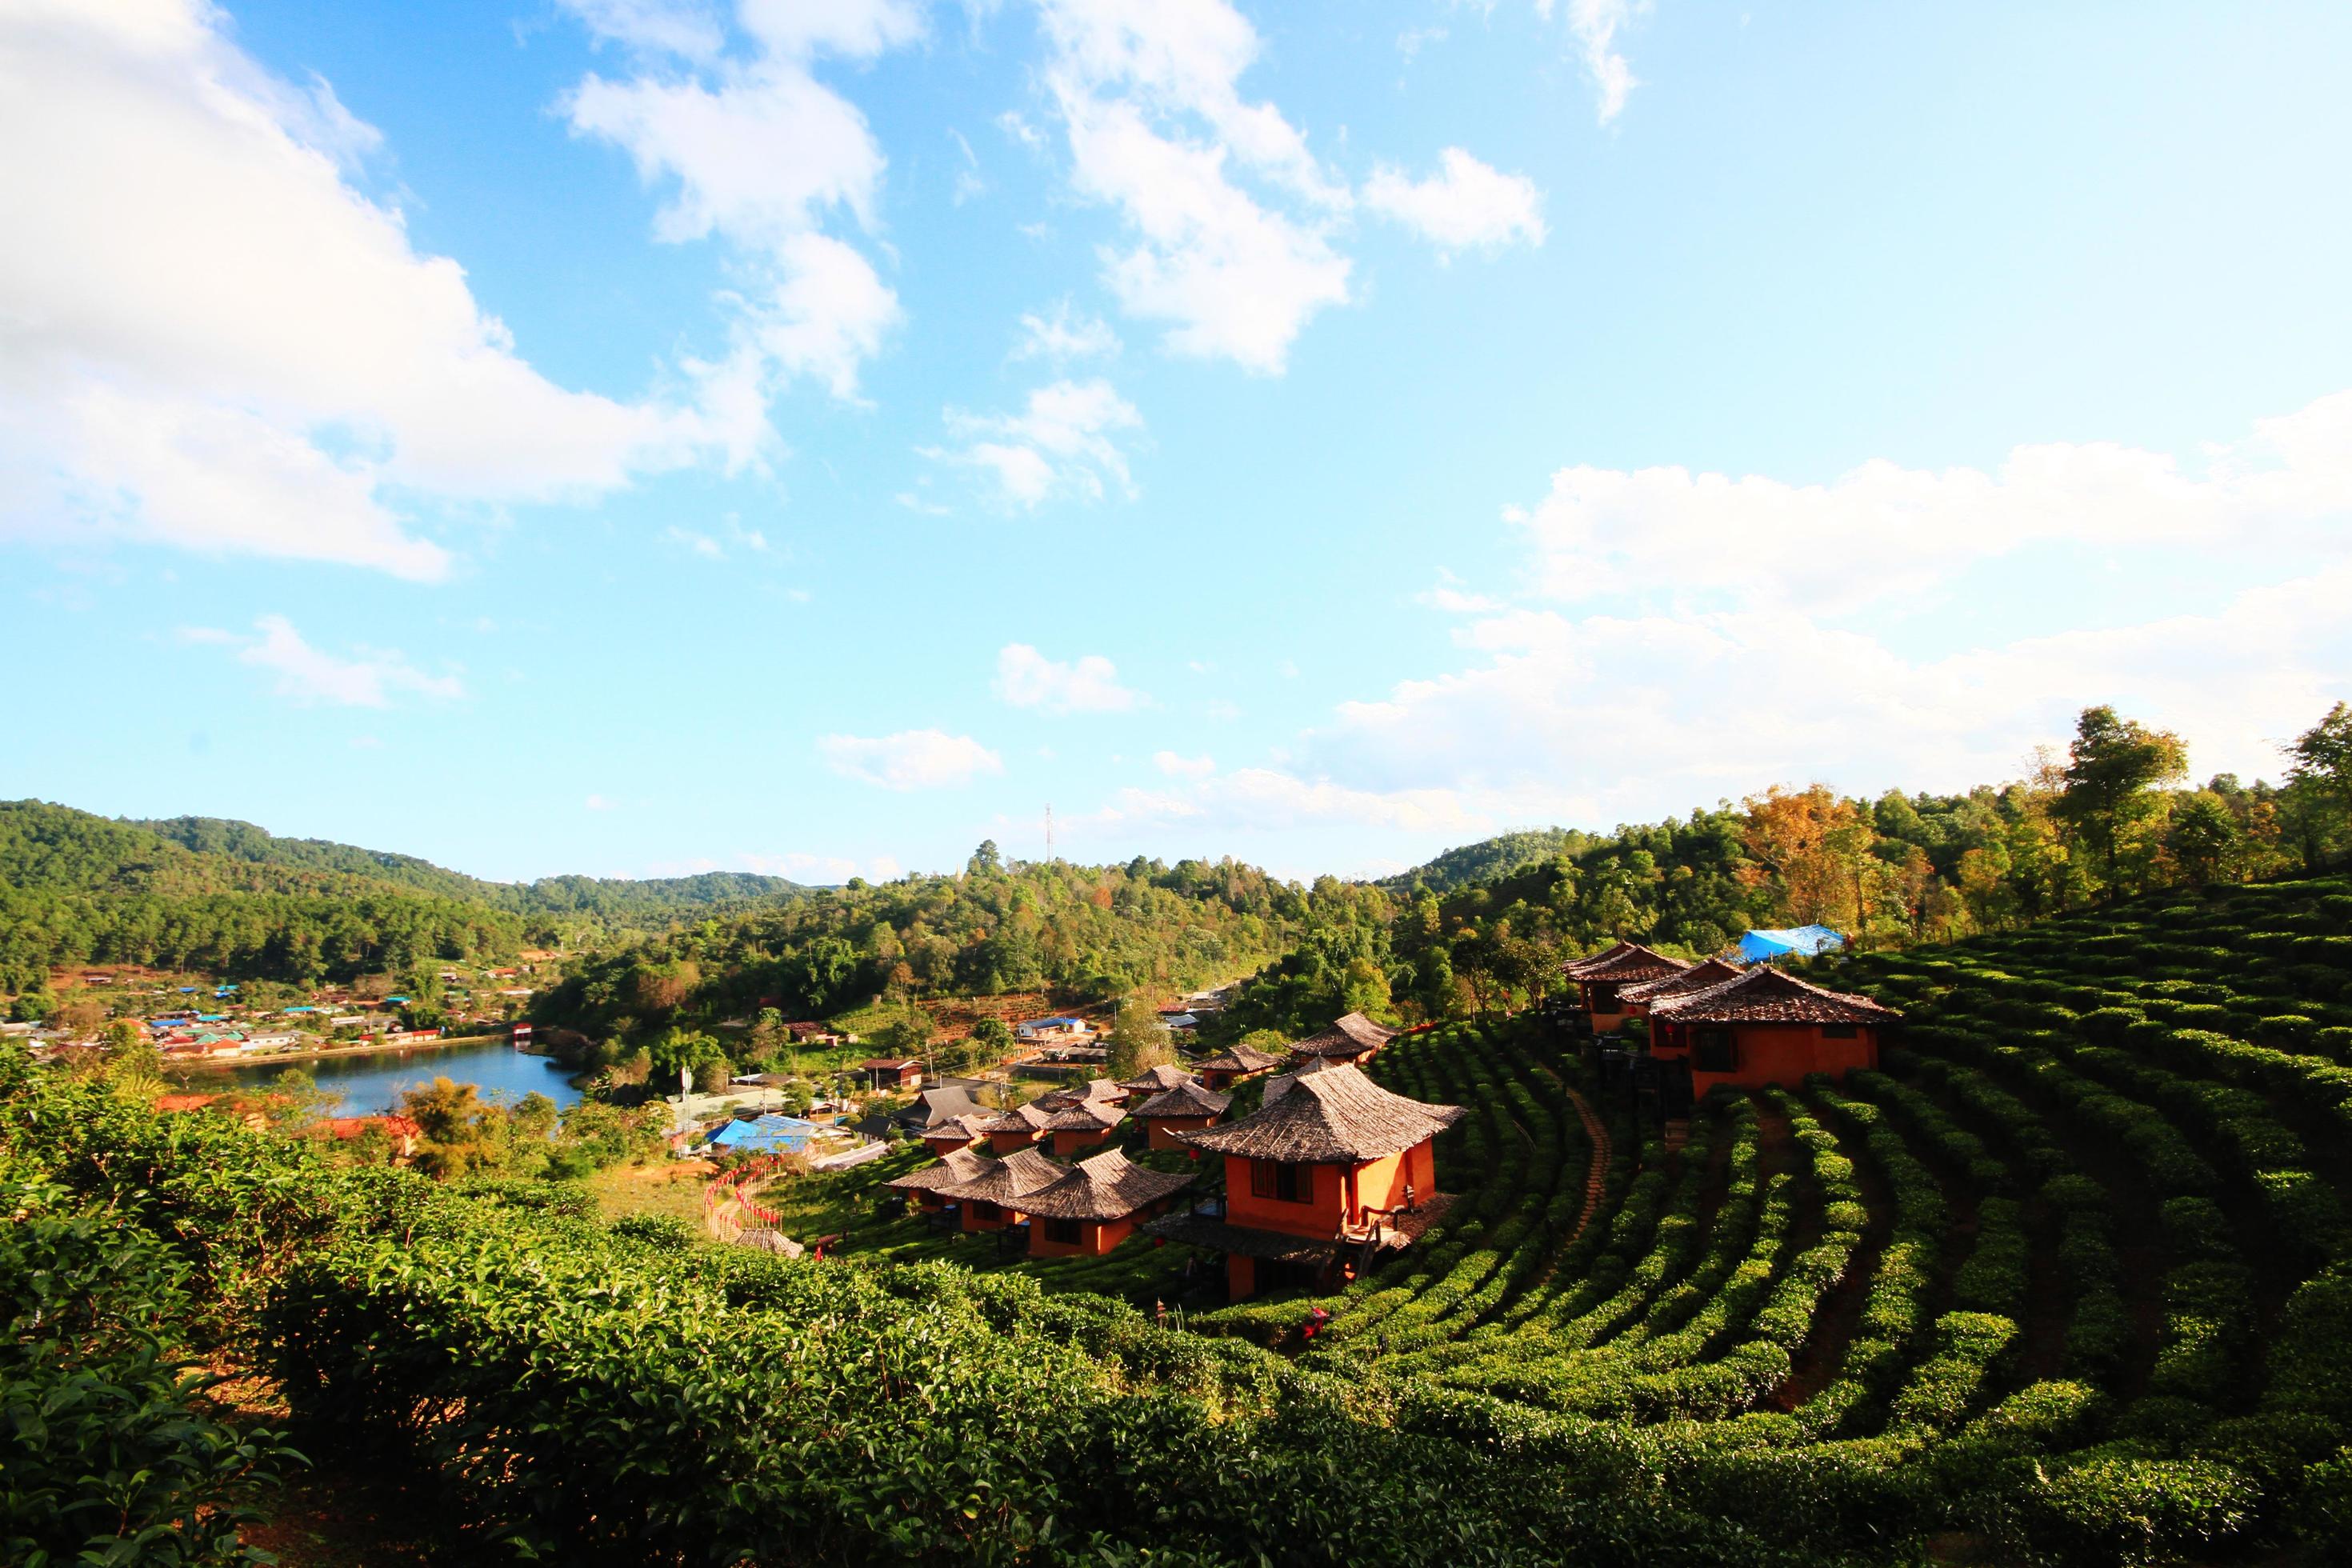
(107, 1454)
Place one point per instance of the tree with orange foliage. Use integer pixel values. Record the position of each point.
(1812, 845)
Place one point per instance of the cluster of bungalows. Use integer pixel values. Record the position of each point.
(1748, 1026)
(1330, 1170)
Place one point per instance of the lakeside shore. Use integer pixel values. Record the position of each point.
(371, 1048)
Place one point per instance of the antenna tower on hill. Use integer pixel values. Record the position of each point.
(1049, 833)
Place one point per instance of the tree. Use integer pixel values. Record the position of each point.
(2323, 760)
(991, 1039)
(2112, 765)
(675, 1050)
(457, 1124)
(120, 1038)
(2201, 837)
(1139, 1040)
(985, 861)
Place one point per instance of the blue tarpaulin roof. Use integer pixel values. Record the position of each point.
(1804, 942)
(767, 1133)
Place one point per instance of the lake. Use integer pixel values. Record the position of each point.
(375, 1082)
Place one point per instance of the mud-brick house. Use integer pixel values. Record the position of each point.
(1098, 1204)
(1183, 1106)
(1229, 1067)
(1601, 980)
(1333, 1172)
(1087, 1124)
(1351, 1041)
(1767, 1027)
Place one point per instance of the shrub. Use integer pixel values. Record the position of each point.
(2128, 1509)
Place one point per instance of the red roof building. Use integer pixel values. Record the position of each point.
(1602, 978)
(1767, 1027)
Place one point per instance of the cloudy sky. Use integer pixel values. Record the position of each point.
(811, 436)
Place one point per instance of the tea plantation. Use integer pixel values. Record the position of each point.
(2069, 1281)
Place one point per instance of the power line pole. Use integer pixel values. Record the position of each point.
(1049, 832)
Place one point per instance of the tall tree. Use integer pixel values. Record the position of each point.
(2322, 758)
(2111, 766)
(1139, 1040)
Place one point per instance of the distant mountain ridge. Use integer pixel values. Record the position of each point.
(568, 894)
(1491, 859)
(226, 898)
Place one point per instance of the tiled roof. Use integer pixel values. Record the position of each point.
(1628, 961)
(1030, 1118)
(1156, 1080)
(1350, 1036)
(1697, 977)
(1339, 1117)
(1238, 1059)
(1010, 1180)
(1279, 1084)
(1087, 1116)
(1107, 1186)
(1186, 1099)
(953, 1170)
(1766, 994)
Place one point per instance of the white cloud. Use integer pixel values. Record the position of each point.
(1063, 444)
(1027, 678)
(1468, 205)
(1668, 654)
(909, 760)
(758, 152)
(1882, 531)
(371, 678)
(1597, 23)
(1136, 86)
(1067, 334)
(596, 803)
(709, 547)
(210, 338)
(1182, 767)
(1413, 40)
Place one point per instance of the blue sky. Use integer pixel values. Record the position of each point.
(633, 436)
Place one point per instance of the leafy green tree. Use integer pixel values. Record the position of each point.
(675, 1050)
(2111, 766)
(1139, 1040)
(991, 1039)
(2323, 761)
(2202, 837)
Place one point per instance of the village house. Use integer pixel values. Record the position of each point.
(1229, 1067)
(1083, 1125)
(935, 1107)
(957, 1132)
(997, 1196)
(1648, 994)
(1279, 1084)
(1151, 1081)
(401, 1133)
(1354, 1040)
(1767, 1027)
(1334, 1171)
(1052, 1031)
(1183, 1106)
(928, 1185)
(1598, 980)
(886, 1075)
(1098, 1206)
(1017, 1128)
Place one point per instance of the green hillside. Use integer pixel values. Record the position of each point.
(226, 898)
(1490, 859)
(2070, 1281)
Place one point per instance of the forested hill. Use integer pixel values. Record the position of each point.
(1491, 858)
(1090, 931)
(228, 898)
(606, 898)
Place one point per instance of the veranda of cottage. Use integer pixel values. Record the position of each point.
(1335, 1162)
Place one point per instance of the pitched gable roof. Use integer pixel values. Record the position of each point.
(1239, 1058)
(1765, 995)
(934, 1106)
(1338, 1117)
(1010, 1180)
(1187, 1097)
(1628, 961)
(952, 1170)
(1279, 1084)
(1697, 977)
(1156, 1080)
(1030, 1118)
(1107, 1186)
(1350, 1036)
(1087, 1116)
